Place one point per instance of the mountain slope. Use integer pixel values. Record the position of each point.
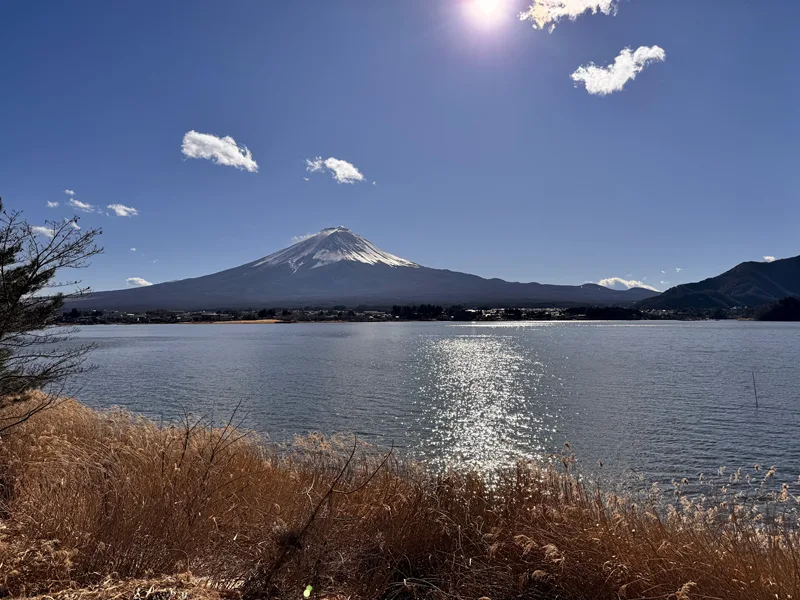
(337, 266)
(747, 284)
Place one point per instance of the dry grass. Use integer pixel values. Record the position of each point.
(181, 587)
(92, 504)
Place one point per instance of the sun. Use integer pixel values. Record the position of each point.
(486, 12)
(487, 8)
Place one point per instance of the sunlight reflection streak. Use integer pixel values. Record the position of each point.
(479, 405)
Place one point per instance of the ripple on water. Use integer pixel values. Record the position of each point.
(660, 399)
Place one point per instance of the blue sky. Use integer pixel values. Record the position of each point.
(488, 158)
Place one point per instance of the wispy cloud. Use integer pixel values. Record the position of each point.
(618, 283)
(44, 230)
(223, 151)
(69, 192)
(123, 211)
(77, 204)
(299, 238)
(769, 258)
(542, 13)
(664, 282)
(137, 282)
(52, 204)
(133, 249)
(678, 269)
(341, 170)
(73, 223)
(602, 81)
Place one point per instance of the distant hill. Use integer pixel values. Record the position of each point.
(747, 284)
(337, 266)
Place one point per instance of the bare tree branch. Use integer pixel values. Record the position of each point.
(33, 354)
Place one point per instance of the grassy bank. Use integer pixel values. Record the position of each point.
(96, 504)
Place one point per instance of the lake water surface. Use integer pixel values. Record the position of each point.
(657, 399)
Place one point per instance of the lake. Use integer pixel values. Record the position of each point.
(652, 400)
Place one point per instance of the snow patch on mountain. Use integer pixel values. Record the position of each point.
(330, 246)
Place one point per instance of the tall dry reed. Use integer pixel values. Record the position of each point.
(87, 495)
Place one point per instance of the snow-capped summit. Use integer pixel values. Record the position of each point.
(329, 246)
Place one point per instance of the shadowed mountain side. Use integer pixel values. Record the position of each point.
(350, 284)
(747, 284)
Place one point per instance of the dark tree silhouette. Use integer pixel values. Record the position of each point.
(787, 309)
(34, 356)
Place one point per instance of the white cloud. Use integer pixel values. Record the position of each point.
(678, 269)
(618, 283)
(52, 204)
(222, 151)
(155, 261)
(607, 80)
(138, 282)
(43, 230)
(769, 258)
(133, 249)
(81, 205)
(123, 211)
(306, 179)
(69, 192)
(341, 170)
(665, 283)
(299, 238)
(549, 12)
(74, 223)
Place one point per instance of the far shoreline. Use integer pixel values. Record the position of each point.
(341, 322)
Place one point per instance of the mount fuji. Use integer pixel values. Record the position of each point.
(338, 266)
